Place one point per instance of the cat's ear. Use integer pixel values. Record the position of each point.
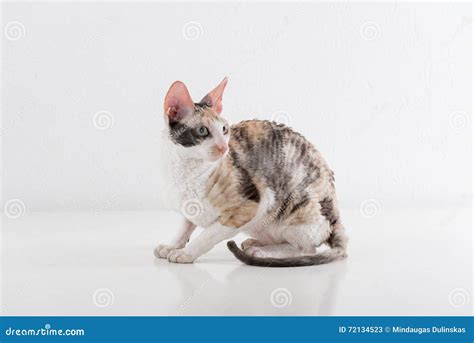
(214, 98)
(178, 102)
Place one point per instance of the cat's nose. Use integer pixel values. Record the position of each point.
(222, 149)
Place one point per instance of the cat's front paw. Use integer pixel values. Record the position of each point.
(163, 250)
(180, 256)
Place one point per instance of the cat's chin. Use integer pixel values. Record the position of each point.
(216, 158)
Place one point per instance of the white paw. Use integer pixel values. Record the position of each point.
(163, 250)
(254, 251)
(180, 256)
(250, 242)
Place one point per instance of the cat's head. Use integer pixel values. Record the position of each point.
(197, 129)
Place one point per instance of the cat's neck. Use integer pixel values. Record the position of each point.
(184, 167)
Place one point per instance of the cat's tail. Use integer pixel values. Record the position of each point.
(337, 241)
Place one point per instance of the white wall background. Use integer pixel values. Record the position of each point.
(383, 90)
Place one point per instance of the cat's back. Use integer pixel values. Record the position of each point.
(258, 136)
(280, 157)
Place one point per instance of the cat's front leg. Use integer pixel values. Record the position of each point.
(208, 238)
(163, 250)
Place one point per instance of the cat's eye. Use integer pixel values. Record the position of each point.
(202, 131)
(225, 129)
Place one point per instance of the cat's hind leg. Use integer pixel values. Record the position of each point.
(299, 240)
(250, 242)
(307, 237)
(274, 251)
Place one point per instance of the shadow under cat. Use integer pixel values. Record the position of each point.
(246, 290)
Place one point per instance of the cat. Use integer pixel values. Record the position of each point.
(256, 177)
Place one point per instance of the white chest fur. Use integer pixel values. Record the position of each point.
(183, 185)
